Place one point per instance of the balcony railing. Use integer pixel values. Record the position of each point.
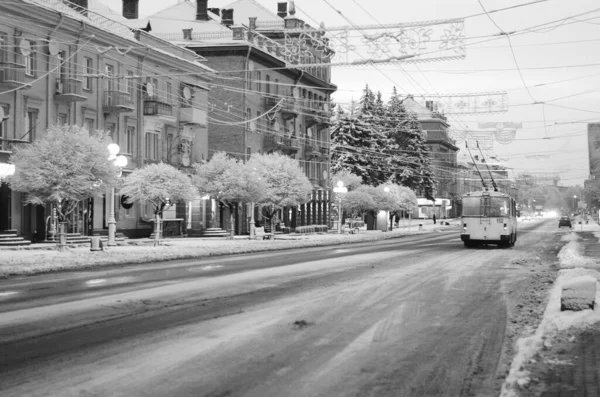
(68, 89)
(289, 108)
(7, 145)
(190, 115)
(12, 75)
(279, 142)
(271, 101)
(117, 101)
(324, 183)
(155, 106)
(314, 181)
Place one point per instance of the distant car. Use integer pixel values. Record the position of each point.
(564, 221)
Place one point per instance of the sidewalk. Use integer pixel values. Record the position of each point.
(41, 258)
(561, 358)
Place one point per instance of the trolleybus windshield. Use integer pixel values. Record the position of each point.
(486, 206)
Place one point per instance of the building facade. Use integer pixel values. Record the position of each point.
(262, 101)
(61, 63)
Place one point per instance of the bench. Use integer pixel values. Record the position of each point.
(259, 233)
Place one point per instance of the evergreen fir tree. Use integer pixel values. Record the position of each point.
(407, 150)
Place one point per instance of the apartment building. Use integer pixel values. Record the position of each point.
(62, 63)
(263, 100)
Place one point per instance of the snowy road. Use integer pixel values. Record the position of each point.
(418, 316)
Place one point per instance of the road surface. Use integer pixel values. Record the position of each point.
(416, 316)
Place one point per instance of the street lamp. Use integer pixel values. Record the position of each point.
(340, 189)
(121, 162)
(6, 170)
(387, 190)
(574, 198)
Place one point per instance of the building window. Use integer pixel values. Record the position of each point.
(109, 83)
(248, 153)
(248, 115)
(89, 125)
(110, 130)
(268, 84)
(151, 146)
(128, 140)
(88, 70)
(62, 64)
(276, 87)
(4, 146)
(258, 122)
(62, 119)
(131, 85)
(30, 125)
(29, 61)
(169, 93)
(258, 81)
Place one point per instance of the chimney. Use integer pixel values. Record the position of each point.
(282, 9)
(227, 16)
(201, 10)
(215, 11)
(130, 9)
(252, 23)
(79, 5)
(187, 34)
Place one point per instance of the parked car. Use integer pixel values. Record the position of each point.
(564, 221)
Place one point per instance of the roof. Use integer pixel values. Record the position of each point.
(183, 16)
(421, 111)
(103, 17)
(244, 9)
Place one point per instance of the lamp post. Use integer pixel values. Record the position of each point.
(574, 198)
(340, 189)
(119, 161)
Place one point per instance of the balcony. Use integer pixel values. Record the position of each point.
(12, 75)
(69, 90)
(155, 106)
(324, 151)
(271, 101)
(117, 102)
(190, 115)
(279, 142)
(314, 181)
(311, 149)
(7, 145)
(289, 109)
(324, 183)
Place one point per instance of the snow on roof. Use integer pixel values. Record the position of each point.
(183, 16)
(244, 9)
(421, 111)
(107, 19)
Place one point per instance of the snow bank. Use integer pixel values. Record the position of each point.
(570, 256)
(578, 293)
(554, 319)
(570, 237)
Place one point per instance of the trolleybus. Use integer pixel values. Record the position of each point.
(488, 217)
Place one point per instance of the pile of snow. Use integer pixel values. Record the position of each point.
(554, 319)
(578, 293)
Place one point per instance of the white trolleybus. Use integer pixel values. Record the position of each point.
(489, 217)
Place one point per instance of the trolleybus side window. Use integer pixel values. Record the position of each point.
(499, 207)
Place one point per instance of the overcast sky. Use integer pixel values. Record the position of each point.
(543, 55)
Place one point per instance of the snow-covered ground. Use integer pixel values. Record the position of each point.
(33, 261)
(573, 265)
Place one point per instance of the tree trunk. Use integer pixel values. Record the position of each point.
(157, 230)
(232, 219)
(62, 237)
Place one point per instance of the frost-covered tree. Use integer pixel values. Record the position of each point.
(356, 147)
(67, 165)
(358, 203)
(228, 180)
(159, 184)
(403, 199)
(283, 182)
(407, 151)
